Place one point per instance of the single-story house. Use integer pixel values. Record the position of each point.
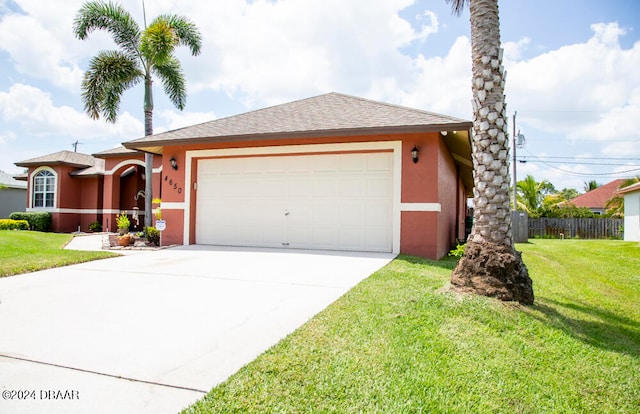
(332, 172)
(596, 199)
(631, 196)
(13, 194)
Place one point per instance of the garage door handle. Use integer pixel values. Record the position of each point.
(286, 212)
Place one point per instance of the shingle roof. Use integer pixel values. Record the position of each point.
(117, 151)
(332, 114)
(598, 197)
(75, 159)
(10, 182)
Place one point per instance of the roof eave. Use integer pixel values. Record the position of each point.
(155, 145)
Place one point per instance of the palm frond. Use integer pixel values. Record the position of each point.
(158, 42)
(100, 15)
(110, 73)
(458, 6)
(173, 81)
(186, 31)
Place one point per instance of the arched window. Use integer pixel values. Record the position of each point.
(44, 189)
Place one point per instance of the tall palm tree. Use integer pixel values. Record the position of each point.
(141, 55)
(531, 194)
(490, 265)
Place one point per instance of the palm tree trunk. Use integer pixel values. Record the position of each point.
(490, 266)
(148, 157)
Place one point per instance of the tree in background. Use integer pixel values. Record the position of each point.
(141, 55)
(531, 194)
(490, 265)
(590, 185)
(615, 205)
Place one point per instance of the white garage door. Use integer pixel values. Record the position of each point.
(328, 201)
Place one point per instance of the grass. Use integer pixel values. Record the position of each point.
(397, 344)
(28, 251)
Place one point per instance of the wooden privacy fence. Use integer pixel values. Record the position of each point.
(584, 228)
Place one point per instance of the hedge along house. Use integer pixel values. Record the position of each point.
(332, 172)
(78, 189)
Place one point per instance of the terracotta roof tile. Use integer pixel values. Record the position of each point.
(597, 198)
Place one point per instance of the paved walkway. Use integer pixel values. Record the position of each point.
(152, 332)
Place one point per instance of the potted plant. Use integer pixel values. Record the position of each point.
(123, 223)
(124, 238)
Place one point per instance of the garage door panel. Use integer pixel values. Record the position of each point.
(331, 201)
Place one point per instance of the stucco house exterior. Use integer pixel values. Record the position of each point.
(631, 196)
(13, 194)
(331, 172)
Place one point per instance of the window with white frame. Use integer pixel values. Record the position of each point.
(44, 189)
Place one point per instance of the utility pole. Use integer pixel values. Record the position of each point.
(513, 162)
(75, 146)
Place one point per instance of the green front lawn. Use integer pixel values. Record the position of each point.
(396, 344)
(28, 251)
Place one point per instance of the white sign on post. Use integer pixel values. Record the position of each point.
(161, 225)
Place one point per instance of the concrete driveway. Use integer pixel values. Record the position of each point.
(153, 332)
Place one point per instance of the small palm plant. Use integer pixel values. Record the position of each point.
(123, 222)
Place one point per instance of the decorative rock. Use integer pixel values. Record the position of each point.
(493, 132)
(502, 155)
(488, 85)
(484, 126)
(495, 63)
(495, 148)
(482, 95)
(497, 180)
(492, 116)
(499, 106)
(479, 82)
(484, 112)
(495, 165)
(485, 59)
(499, 122)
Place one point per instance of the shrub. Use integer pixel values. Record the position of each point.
(153, 235)
(37, 221)
(95, 227)
(9, 224)
(458, 251)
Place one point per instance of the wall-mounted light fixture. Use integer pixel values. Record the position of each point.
(414, 154)
(174, 163)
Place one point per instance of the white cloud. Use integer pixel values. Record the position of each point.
(7, 136)
(269, 52)
(174, 120)
(42, 47)
(581, 90)
(35, 112)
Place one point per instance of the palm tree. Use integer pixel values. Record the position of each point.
(490, 265)
(141, 54)
(531, 194)
(615, 205)
(590, 185)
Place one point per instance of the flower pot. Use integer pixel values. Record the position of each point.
(124, 240)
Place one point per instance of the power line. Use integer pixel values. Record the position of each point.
(548, 164)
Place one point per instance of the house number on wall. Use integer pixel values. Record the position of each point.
(171, 183)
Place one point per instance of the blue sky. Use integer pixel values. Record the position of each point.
(573, 72)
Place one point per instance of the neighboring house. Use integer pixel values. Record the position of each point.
(596, 199)
(13, 195)
(332, 172)
(631, 196)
